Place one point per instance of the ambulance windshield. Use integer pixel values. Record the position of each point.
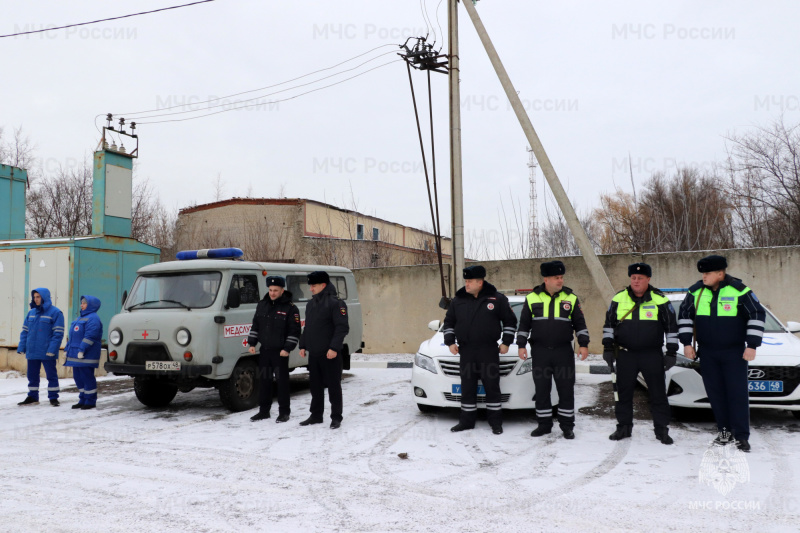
(189, 290)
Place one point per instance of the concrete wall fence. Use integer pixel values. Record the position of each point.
(399, 302)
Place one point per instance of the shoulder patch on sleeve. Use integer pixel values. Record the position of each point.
(343, 310)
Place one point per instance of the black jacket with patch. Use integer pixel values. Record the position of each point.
(276, 324)
(326, 323)
(642, 335)
(481, 320)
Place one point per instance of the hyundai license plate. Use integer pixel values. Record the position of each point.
(765, 386)
(481, 390)
(170, 366)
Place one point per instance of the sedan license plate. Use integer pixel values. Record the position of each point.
(765, 386)
(481, 390)
(170, 366)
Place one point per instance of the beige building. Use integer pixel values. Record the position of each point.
(296, 230)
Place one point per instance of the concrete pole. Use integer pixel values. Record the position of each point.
(582, 240)
(456, 192)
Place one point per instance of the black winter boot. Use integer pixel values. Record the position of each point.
(662, 434)
(622, 432)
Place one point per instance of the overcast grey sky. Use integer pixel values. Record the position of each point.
(664, 81)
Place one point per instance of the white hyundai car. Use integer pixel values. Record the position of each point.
(774, 375)
(437, 383)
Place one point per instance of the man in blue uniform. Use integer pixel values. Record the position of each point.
(727, 321)
(40, 340)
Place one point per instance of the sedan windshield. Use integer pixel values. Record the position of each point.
(188, 290)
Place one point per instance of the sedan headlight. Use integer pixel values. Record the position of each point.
(527, 366)
(423, 361)
(115, 337)
(183, 337)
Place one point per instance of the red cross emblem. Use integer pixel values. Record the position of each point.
(244, 342)
(145, 334)
(649, 314)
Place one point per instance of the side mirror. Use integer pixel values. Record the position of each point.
(434, 325)
(124, 297)
(234, 298)
(793, 327)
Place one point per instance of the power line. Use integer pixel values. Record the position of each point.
(440, 26)
(105, 20)
(261, 96)
(274, 101)
(269, 86)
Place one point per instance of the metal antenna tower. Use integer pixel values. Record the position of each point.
(533, 225)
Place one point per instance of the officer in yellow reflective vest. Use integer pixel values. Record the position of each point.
(638, 319)
(727, 321)
(550, 316)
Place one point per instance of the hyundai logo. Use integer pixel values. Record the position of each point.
(755, 373)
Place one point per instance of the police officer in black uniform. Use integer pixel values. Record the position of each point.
(276, 325)
(637, 321)
(729, 324)
(551, 314)
(322, 339)
(476, 318)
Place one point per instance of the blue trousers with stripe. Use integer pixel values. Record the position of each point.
(86, 383)
(725, 378)
(34, 367)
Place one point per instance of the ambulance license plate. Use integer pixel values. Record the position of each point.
(765, 386)
(481, 390)
(170, 366)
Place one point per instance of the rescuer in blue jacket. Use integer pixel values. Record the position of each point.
(42, 333)
(83, 351)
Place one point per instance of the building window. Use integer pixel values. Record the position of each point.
(376, 234)
(426, 245)
(360, 232)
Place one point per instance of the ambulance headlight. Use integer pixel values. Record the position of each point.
(183, 337)
(423, 361)
(527, 366)
(115, 337)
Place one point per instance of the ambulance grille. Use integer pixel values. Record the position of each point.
(138, 353)
(451, 368)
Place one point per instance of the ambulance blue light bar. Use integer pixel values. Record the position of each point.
(213, 253)
(674, 290)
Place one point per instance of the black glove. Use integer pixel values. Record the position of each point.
(669, 360)
(608, 357)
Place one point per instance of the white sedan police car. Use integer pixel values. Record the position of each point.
(774, 375)
(437, 383)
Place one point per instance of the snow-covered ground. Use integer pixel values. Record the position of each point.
(196, 467)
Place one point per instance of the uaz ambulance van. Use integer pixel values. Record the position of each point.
(185, 325)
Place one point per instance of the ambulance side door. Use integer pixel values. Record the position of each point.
(234, 332)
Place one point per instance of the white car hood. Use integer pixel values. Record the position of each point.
(435, 346)
(777, 349)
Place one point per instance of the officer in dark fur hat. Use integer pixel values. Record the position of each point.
(726, 320)
(476, 318)
(322, 340)
(638, 319)
(551, 316)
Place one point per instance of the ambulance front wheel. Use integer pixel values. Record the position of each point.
(240, 391)
(154, 393)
